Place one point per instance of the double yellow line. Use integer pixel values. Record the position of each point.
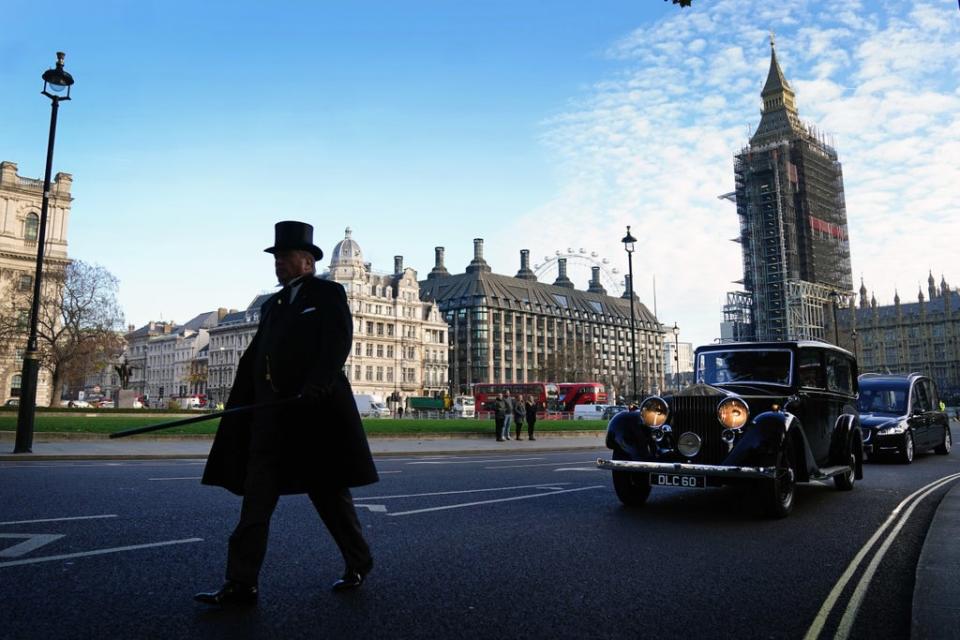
(890, 528)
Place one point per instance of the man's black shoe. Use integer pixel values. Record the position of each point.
(350, 580)
(230, 594)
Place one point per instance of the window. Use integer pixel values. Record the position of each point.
(15, 386)
(357, 349)
(369, 374)
(379, 350)
(839, 373)
(25, 283)
(919, 401)
(389, 350)
(809, 369)
(31, 227)
(370, 349)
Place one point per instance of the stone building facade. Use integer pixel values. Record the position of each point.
(399, 340)
(20, 202)
(516, 329)
(905, 337)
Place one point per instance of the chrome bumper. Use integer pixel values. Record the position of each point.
(687, 469)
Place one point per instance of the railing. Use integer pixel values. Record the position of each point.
(29, 182)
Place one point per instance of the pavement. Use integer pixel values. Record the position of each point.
(936, 595)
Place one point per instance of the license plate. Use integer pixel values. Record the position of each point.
(677, 480)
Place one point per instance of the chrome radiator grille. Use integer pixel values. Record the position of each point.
(698, 414)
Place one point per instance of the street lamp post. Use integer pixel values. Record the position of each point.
(676, 352)
(629, 243)
(853, 337)
(56, 86)
(834, 297)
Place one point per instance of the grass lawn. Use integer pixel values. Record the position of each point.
(104, 423)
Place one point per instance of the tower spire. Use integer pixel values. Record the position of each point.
(779, 114)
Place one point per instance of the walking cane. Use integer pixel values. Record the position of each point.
(208, 416)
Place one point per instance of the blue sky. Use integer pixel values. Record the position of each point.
(547, 126)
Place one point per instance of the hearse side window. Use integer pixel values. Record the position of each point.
(919, 402)
(931, 395)
(839, 373)
(810, 369)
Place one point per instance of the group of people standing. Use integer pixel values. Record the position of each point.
(509, 411)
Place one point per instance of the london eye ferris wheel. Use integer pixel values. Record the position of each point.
(580, 264)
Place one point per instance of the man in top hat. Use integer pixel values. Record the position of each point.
(299, 349)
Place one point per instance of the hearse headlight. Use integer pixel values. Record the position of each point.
(653, 411)
(893, 429)
(733, 413)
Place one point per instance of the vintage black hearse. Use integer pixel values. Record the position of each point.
(769, 413)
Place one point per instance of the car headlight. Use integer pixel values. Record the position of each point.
(653, 411)
(733, 413)
(893, 429)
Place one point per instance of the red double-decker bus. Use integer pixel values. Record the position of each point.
(574, 393)
(547, 394)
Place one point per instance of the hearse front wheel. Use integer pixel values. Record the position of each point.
(633, 489)
(776, 494)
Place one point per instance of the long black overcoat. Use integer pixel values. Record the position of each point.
(322, 444)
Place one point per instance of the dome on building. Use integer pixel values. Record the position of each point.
(347, 251)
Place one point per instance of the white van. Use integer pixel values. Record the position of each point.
(464, 407)
(370, 406)
(589, 411)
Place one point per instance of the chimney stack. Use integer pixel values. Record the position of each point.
(478, 263)
(562, 279)
(525, 273)
(595, 286)
(438, 270)
(398, 264)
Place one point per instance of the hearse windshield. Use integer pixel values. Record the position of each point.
(883, 396)
(770, 366)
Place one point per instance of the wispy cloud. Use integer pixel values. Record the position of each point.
(652, 145)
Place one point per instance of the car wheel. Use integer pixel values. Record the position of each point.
(633, 489)
(907, 450)
(844, 481)
(777, 493)
(944, 448)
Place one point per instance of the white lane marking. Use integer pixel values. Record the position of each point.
(821, 618)
(542, 485)
(480, 502)
(469, 461)
(33, 541)
(97, 552)
(853, 605)
(376, 508)
(112, 515)
(540, 464)
(591, 469)
(386, 472)
(161, 479)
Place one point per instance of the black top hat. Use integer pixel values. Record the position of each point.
(290, 234)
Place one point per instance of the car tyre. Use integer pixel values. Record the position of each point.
(777, 494)
(907, 451)
(844, 481)
(944, 448)
(633, 489)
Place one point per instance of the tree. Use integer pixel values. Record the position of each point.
(682, 3)
(78, 322)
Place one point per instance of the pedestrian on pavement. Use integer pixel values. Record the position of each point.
(509, 404)
(313, 444)
(399, 412)
(499, 411)
(531, 409)
(519, 413)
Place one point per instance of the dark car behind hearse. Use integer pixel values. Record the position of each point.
(766, 413)
(901, 416)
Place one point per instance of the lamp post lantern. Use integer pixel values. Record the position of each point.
(56, 86)
(676, 352)
(629, 243)
(834, 298)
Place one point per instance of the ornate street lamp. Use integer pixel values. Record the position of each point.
(629, 243)
(56, 86)
(834, 297)
(676, 352)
